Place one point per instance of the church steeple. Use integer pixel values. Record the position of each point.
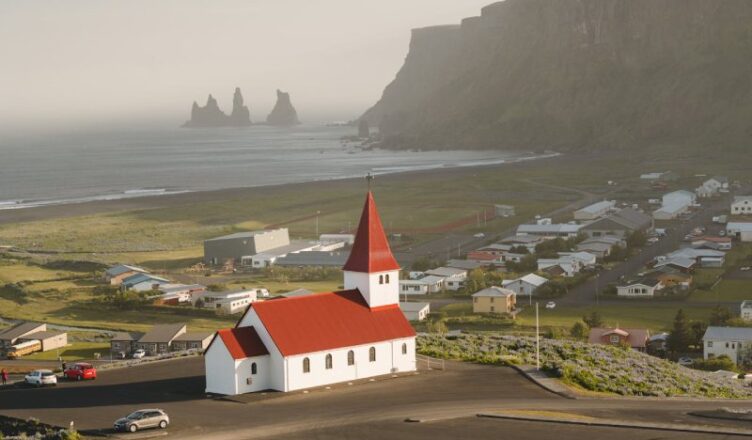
(371, 268)
(371, 251)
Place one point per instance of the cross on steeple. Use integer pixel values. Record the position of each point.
(369, 180)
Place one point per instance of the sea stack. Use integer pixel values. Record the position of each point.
(283, 113)
(210, 115)
(241, 115)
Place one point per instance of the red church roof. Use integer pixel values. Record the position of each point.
(370, 252)
(241, 342)
(326, 321)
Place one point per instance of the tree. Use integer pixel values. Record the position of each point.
(697, 331)
(636, 239)
(719, 316)
(529, 263)
(618, 253)
(593, 320)
(681, 334)
(579, 330)
(552, 289)
(519, 249)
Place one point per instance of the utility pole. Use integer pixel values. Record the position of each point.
(537, 339)
(597, 301)
(317, 224)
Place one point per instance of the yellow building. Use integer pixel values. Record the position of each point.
(494, 300)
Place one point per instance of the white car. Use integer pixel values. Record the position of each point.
(550, 305)
(479, 235)
(686, 361)
(745, 268)
(138, 354)
(41, 378)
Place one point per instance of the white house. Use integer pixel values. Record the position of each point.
(594, 211)
(415, 311)
(646, 287)
(549, 230)
(454, 279)
(674, 204)
(413, 287)
(742, 231)
(302, 342)
(712, 186)
(746, 310)
(733, 342)
(742, 205)
(525, 286)
(231, 302)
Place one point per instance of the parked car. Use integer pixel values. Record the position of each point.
(80, 371)
(143, 419)
(686, 361)
(550, 305)
(138, 354)
(479, 235)
(745, 268)
(41, 378)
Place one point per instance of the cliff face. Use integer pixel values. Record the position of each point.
(576, 74)
(210, 115)
(283, 112)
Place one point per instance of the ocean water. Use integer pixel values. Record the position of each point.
(76, 167)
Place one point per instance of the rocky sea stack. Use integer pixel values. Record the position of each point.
(211, 115)
(581, 75)
(283, 113)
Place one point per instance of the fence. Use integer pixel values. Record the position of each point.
(429, 362)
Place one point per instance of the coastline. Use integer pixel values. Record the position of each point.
(53, 211)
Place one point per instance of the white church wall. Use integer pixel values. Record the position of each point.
(376, 294)
(389, 359)
(220, 367)
(276, 379)
(247, 382)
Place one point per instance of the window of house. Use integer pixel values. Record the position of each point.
(387, 278)
(254, 368)
(492, 299)
(350, 357)
(306, 365)
(492, 309)
(404, 348)
(614, 339)
(381, 279)
(475, 300)
(328, 361)
(372, 354)
(710, 344)
(726, 344)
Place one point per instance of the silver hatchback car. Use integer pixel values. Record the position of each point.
(143, 419)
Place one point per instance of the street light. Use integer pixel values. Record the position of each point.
(317, 223)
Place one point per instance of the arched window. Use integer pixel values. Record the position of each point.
(254, 368)
(306, 365)
(404, 348)
(381, 279)
(350, 357)
(372, 354)
(387, 278)
(328, 361)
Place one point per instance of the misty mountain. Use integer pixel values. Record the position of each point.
(576, 74)
(283, 112)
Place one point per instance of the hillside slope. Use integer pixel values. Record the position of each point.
(576, 74)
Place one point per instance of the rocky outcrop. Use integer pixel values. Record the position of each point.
(283, 112)
(574, 75)
(210, 115)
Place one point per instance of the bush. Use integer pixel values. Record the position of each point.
(579, 330)
(721, 362)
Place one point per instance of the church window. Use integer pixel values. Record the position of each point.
(306, 365)
(381, 279)
(254, 368)
(328, 361)
(372, 354)
(404, 348)
(387, 278)
(350, 357)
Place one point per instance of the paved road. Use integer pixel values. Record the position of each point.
(452, 398)
(586, 293)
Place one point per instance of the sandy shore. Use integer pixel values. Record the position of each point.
(172, 200)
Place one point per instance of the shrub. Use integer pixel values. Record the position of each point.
(721, 362)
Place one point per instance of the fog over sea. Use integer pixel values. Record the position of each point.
(38, 170)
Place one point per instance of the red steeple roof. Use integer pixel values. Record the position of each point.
(370, 252)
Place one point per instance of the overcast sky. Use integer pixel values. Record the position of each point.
(80, 62)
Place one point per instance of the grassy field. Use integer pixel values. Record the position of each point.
(73, 352)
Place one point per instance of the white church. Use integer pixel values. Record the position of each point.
(288, 344)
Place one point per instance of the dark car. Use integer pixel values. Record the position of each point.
(143, 419)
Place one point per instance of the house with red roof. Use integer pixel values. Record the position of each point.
(299, 342)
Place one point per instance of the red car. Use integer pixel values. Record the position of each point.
(80, 371)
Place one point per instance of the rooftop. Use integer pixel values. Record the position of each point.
(413, 306)
(728, 333)
(446, 271)
(325, 321)
(248, 234)
(596, 208)
(20, 329)
(195, 336)
(162, 333)
(241, 342)
(494, 291)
